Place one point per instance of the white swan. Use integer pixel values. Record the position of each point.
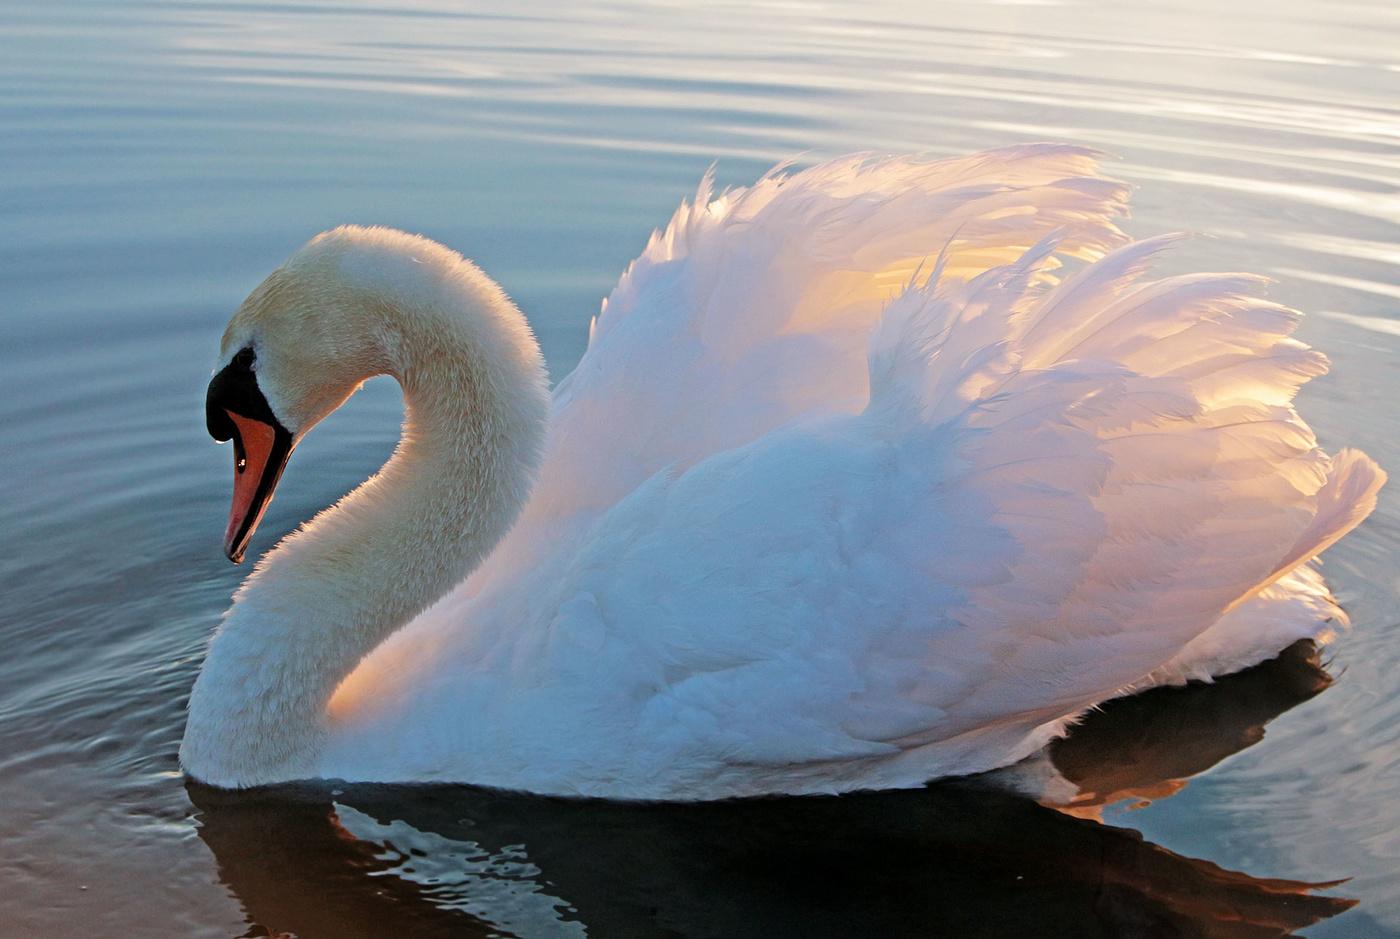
(805, 518)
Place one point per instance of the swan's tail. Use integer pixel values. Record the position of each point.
(1293, 603)
(1136, 441)
(1344, 501)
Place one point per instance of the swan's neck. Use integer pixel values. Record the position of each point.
(476, 404)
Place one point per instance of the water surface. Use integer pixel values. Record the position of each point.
(158, 158)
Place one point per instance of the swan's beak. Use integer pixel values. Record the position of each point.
(235, 408)
(260, 453)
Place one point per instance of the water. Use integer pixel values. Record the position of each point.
(157, 158)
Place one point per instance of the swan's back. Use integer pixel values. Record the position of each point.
(857, 485)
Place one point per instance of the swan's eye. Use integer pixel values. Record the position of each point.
(241, 465)
(243, 360)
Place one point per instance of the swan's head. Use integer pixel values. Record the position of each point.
(297, 348)
(351, 304)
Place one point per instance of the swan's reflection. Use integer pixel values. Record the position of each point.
(956, 858)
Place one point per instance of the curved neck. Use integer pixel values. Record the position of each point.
(476, 405)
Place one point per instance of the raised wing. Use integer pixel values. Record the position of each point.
(753, 307)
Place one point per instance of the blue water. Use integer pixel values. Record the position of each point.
(158, 158)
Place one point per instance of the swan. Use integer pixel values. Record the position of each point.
(874, 472)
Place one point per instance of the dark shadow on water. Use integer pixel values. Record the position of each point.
(1148, 745)
(957, 858)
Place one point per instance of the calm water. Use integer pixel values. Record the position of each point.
(158, 158)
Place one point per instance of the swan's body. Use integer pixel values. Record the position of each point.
(793, 527)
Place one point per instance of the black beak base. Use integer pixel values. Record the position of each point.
(235, 388)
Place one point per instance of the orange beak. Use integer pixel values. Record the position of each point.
(260, 453)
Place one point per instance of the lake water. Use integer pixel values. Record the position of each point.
(158, 158)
